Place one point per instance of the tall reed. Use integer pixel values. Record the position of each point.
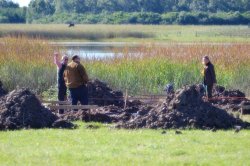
(153, 66)
(146, 70)
(26, 63)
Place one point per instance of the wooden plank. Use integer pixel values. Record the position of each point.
(56, 102)
(126, 98)
(245, 107)
(72, 107)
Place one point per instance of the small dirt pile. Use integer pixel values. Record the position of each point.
(2, 91)
(230, 100)
(246, 105)
(184, 109)
(228, 96)
(21, 109)
(107, 114)
(102, 95)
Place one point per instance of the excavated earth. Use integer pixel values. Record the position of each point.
(183, 109)
(186, 108)
(101, 94)
(230, 100)
(21, 109)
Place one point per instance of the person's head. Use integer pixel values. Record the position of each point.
(65, 59)
(76, 59)
(205, 60)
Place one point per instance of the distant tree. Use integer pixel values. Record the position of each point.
(79, 6)
(91, 6)
(198, 5)
(187, 18)
(107, 5)
(41, 7)
(8, 4)
(129, 11)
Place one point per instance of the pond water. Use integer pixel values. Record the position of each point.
(96, 49)
(101, 50)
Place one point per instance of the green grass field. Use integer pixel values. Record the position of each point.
(130, 33)
(105, 146)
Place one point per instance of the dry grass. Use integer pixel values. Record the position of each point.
(154, 66)
(26, 62)
(130, 33)
(29, 62)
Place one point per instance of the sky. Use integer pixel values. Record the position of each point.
(22, 2)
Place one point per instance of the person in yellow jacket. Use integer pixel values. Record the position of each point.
(76, 80)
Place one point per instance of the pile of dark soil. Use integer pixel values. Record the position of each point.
(107, 114)
(184, 109)
(102, 95)
(63, 124)
(229, 96)
(21, 109)
(2, 91)
(230, 100)
(246, 105)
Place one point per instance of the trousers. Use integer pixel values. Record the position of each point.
(79, 94)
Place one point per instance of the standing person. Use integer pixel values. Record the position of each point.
(61, 66)
(209, 76)
(76, 80)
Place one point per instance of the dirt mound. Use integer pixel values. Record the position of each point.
(247, 105)
(2, 91)
(229, 100)
(60, 123)
(21, 109)
(228, 96)
(102, 95)
(107, 114)
(184, 109)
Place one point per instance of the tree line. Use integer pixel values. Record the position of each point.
(128, 11)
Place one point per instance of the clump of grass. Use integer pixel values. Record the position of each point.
(26, 63)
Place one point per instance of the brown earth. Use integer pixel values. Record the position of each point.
(230, 100)
(183, 109)
(101, 94)
(21, 109)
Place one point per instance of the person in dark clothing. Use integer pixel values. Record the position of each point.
(76, 80)
(61, 66)
(209, 79)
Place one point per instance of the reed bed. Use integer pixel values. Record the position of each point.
(29, 63)
(153, 66)
(26, 63)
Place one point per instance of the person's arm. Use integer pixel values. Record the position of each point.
(83, 73)
(57, 61)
